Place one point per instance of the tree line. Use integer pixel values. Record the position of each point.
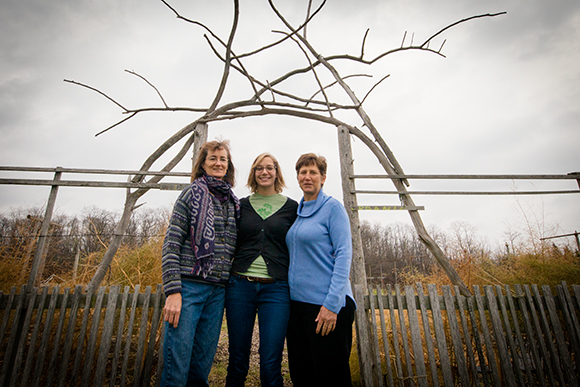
(70, 238)
(393, 252)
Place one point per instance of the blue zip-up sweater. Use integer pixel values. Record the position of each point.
(320, 247)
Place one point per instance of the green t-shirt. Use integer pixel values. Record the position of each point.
(264, 206)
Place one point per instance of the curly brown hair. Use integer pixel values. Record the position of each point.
(198, 170)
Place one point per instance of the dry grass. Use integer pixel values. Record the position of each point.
(10, 274)
(130, 267)
(549, 267)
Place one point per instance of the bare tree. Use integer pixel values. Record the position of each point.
(272, 98)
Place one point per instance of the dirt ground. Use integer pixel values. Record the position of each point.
(218, 373)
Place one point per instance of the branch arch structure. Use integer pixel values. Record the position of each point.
(270, 97)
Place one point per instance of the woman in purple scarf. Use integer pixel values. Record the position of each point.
(197, 256)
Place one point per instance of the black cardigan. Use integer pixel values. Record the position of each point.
(265, 237)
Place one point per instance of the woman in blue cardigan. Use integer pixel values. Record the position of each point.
(322, 305)
(259, 280)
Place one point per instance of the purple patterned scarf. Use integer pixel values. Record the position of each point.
(202, 219)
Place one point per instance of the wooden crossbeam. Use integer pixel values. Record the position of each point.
(390, 208)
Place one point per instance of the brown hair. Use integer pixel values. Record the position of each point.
(198, 170)
(279, 183)
(312, 159)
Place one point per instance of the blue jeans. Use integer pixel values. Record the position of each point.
(189, 349)
(272, 304)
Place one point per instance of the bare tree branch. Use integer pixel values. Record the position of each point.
(362, 47)
(307, 16)
(168, 144)
(130, 205)
(321, 88)
(117, 124)
(150, 84)
(421, 47)
(98, 91)
(226, 71)
(459, 22)
(194, 22)
(241, 69)
(271, 92)
(285, 37)
(442, 44)
(374, 86)
(335, 82)
(179, 16)
(270, 86)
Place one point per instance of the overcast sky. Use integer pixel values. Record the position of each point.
(504, 100)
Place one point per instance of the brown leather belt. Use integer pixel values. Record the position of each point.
(257, 279)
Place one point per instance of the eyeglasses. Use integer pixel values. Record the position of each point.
(214, 159)
(269, 168)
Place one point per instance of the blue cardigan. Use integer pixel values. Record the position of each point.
(320, 247)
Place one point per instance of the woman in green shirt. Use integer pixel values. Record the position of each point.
(259, 279)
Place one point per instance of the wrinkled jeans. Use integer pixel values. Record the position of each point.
(271, 302)
(189, 349)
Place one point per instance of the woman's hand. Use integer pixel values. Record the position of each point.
(326, 321)
(172, 309)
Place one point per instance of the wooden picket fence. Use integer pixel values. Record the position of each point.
(512, 336)
(69, 342)
(503, 337)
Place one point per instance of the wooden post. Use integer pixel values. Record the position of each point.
(200, 139)
(35, 271)
(358, 272)
(33, 238)
(43, 259)
(76, 264)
